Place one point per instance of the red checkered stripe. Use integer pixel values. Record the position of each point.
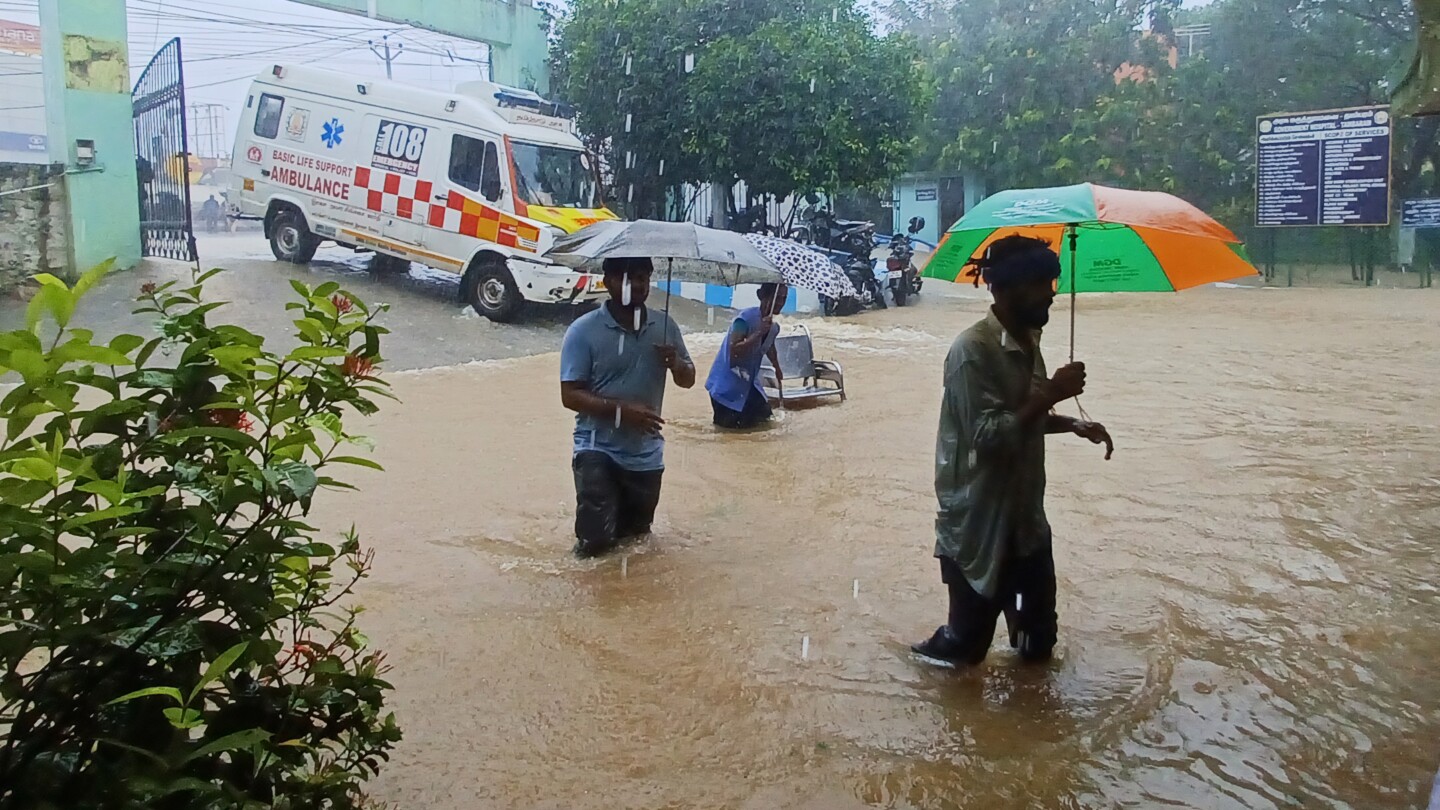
(411, 198)
(468, 217)
(395, 194)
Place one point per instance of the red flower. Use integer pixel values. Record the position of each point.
(148, 288)
(231, 418)
(357, 367)
(342, 304)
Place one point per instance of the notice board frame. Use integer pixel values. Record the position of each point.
(1320, 202)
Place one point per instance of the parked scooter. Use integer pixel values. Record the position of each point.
(902, 277)
(751, 219)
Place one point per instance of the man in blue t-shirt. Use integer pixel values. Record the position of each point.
(613, 365)
(734, 382)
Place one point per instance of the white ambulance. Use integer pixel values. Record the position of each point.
(478, 181)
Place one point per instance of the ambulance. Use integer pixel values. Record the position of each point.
(479, 181)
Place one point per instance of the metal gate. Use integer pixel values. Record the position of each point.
(162, 158)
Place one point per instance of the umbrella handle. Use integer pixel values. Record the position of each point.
(1074, 238)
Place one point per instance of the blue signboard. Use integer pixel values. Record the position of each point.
(22, 142)
(1420, 213)
(1323, 168)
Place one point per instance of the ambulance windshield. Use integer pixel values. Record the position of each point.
(554, 177)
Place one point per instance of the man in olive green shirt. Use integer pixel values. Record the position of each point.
(991, 535)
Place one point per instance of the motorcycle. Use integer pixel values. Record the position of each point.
(751, 219)
(901, 276)
(850, 244)
(855, 245)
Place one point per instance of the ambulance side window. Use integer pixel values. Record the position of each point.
(475, 164)
(267, 118)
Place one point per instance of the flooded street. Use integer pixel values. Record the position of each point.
(1248, 591)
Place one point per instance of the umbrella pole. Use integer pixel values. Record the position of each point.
(669, 293)
(1074, 237)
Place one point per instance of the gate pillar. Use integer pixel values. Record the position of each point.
(90, 127)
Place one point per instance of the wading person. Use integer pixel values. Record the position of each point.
(991, 535)
(613, 365)
(738, 399)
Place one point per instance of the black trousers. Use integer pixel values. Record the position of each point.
(1027, 598)
(611, 502)
(756, 412)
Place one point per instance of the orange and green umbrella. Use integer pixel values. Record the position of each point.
(1109, 239)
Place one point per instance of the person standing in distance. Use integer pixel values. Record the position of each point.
(736, 396)
(991, 535)
(613, 365)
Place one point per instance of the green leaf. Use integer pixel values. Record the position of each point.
(93, 276)
(54, 299)
(230, 742)
(168, 691)
(77, 351)
(109, 513)
(329, 423)
(218, 667)
(316, 353)
(30, 365)
(34, 468)
(111, 491)
(292, 476)
(358, 462)
(184, 718)
(300, 288)
(226, 434)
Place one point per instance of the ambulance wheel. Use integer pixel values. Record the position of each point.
(387, 265)
(491, 290)
(291, 240)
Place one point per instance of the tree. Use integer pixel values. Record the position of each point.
(1028, 92)
(783, 96)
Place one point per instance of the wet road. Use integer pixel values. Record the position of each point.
(1248, 592)
(429, 324)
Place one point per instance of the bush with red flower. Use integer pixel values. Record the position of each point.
(173, 633)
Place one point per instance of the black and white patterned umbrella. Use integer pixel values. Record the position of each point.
(804, 267)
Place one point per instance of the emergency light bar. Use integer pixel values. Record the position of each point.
(526, 100)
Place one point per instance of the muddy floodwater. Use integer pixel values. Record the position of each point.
(1248, 593)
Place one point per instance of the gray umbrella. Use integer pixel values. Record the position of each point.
(689, 252)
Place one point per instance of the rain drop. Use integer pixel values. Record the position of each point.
(620, 350)
(629, 159)
(629, 61)
(662, 167)
(805, 648)
(617, 407)
(689, 63)
(630, 194)
(629, 120)
(812, 84)
(625, 290)
(835, 14)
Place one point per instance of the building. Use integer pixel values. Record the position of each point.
(22, 95)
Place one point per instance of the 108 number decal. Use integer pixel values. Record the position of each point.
(400, 141)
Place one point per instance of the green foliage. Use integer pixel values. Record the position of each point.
(783, 96)
(1028, 93)
(170, 627)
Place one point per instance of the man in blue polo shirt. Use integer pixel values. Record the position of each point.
(613, 365)
(736, 396)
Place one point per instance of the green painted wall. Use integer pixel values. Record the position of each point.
(515, 31)
(87, 97)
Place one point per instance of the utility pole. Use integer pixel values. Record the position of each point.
(387, 57)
